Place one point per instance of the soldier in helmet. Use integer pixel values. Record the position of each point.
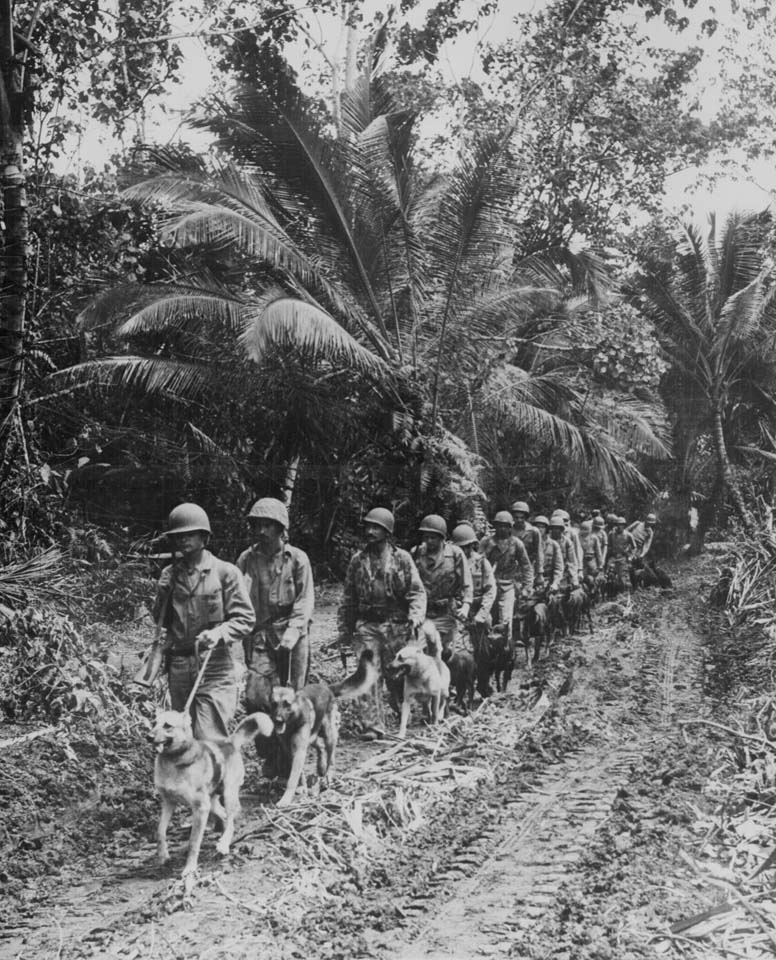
(483, 581)
(280, 584)
(511, 567)
(532, 540)
(446, 578)
(643, 532)
(203, 603)
(599, 531)
(383, 602)
(619, 553)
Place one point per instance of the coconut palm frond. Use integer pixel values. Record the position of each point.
(630, 423)
(36, 578)
(154, 376)
(185, 309)
(280, 320)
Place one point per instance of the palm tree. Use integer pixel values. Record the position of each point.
(714, 311)
(411, 279)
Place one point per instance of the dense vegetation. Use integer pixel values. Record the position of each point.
(380, 283)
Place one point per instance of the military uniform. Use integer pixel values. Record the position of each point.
(511, 568)
(282, 593)
(212, 594)
(383, 601)
(447, 580)
(532, 541)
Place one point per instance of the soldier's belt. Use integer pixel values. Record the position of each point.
(381, 614)
(437, 607)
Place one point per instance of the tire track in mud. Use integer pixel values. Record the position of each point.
(500, 885)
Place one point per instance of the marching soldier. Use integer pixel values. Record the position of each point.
(382, 605)
(643, 532)
(599, 530)
(203, 604)
(446, 577)
(592, 559)
(531, 538)
(483, 580)
(552, 572)
(567, 550)
(511, 567)
(280, 584)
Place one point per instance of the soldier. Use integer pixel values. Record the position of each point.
(552, 572)
(280, 584)
(558, 530)
(511, 567)
(619, 552)
(382, 605)
(483, 581)
(571, 534)
(203, 603)
(599, 530)
(531, 538)
(643, 532)
(446, 577)
(592, 559)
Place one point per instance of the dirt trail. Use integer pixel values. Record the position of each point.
(527, 863)
(474, 880)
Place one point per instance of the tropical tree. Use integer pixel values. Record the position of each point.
(715, 314)
(352, 256)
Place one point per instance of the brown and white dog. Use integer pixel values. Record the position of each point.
(426, 677)
(204, 775)
(309, 716)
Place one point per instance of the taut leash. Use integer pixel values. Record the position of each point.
(197, 682)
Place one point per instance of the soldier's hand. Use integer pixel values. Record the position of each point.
(463, 612)
(208, 638)
(289, 638)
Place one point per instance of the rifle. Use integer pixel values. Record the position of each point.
(153, 661)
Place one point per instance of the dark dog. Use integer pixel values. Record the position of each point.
(307, 717)
(463, 673)
(577, 608)
(538, 629)
(494, 654)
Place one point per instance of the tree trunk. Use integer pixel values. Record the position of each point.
(13, 245)
(290, 481)
(727, 480)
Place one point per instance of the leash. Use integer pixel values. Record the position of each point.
(197, 682)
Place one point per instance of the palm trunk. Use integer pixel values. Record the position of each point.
(13, 211)
(727, 480)
(290, 482)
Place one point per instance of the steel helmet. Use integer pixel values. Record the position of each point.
(586, 526)
(611, 519)
(188, 518)
(380, 517)
(433, 523)
(540, 519)
(620, 521)
(503, 516)
(520, 506)
(268, 508)
(599, 522)
(651, 518)
(557, 520)
(464, 534)
(565, 514)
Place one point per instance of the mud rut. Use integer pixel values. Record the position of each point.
(633, 682)
(518, 871)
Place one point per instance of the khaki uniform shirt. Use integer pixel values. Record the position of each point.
(380, 588)
(446, 578)
(510, 562)
(642, 536)
(212, 595)
(532, 541)
(553, 563)
(280, 587)
(483, 582)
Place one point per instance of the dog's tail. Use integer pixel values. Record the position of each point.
(433, 642)
(254, 725)
(359, 682)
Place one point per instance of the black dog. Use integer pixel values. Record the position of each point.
(463, 673)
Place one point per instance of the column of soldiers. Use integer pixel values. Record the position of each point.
(265, 601)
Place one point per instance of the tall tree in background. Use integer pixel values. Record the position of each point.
(714, 312)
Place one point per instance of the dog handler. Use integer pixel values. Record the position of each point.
(383, 603)
(280, 585)
(203, 603)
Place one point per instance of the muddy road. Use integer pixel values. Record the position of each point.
(550, 823)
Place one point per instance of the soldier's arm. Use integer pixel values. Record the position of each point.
(239, 615)
(348, 609)
(465, 580)
(163, 587)
(416, 594)
(557, 566)
(525, 568)
(304, 604)
(488, 586)
(647, 542)
(571, 563)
